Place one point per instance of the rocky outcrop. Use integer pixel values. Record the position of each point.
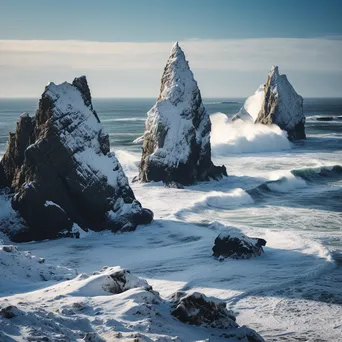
(282, 106)
(176, 143)
(14, 157)
(198, 309)
(62, 171)
(237, 246)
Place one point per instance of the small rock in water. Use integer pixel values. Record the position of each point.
(237, 246)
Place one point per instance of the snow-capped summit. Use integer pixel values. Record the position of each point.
(177, 137)
(65, 172)
(282, 106)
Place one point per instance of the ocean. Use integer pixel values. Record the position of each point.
(287, 193)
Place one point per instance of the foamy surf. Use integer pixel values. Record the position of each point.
(245, 137)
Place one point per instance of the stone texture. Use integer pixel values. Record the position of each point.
(282, 106)
(176, 144)
(14, 156)
(60, 166)
(197, 309)
(237, 246)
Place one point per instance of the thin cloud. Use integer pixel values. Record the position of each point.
(239, 55)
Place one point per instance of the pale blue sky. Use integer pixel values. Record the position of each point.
(237, 42)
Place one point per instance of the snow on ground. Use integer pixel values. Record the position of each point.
(289, 293)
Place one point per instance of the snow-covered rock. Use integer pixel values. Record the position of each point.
(83, 308)
(282, 106)
(20, 267)
(236, 245)
(64, 173)
(251, 108)
(197, 309)
(176, 143)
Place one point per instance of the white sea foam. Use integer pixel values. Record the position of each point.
(129, 161)
(285, 181)
(224, 200)
(245, 137)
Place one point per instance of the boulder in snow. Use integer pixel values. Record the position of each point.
(282, 106)
(176, 143)
(237, 246)
(197, 309)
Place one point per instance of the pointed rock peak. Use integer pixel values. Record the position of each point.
(82, 84)
(274, 71)
(177, 51)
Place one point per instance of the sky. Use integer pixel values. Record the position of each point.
(122, 45)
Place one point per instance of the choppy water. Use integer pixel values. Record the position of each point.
(291, 194)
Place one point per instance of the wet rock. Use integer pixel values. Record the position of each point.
(282, 106)
(237, 246)
(176, 145)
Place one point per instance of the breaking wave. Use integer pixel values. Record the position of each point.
(245, 137)
(297, 179)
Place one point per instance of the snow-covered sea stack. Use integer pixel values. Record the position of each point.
(282, 106)
(61, 169)
(176, 143)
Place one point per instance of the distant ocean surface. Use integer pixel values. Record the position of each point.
(288, 193)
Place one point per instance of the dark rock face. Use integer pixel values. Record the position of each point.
(282, 106)
(14, 157)
(197, 309)
(237, 246)
(63, 171)
(176, 145)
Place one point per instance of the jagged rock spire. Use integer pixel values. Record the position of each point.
(282, 106)
(177, 138)
(65, 173)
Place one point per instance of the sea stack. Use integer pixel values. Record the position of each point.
(62, 172)
(176, 146)
(282, 106)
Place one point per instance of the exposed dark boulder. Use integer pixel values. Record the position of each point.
(282, 106)
(176, 145)
(237, 246)
(197, 309)
(63, 172)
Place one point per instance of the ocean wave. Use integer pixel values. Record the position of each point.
(124, 119)
(221, 102)
(245, 137)
(328, 118)
(319, 173)
(288, 181)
